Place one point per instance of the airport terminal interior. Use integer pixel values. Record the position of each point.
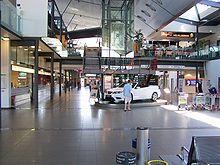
(64, 65)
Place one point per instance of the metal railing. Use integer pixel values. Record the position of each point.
(10, 17)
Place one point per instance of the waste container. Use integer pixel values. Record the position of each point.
(125, 158)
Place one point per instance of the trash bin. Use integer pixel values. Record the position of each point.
(125, 158)
(157, 162)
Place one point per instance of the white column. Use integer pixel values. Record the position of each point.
(6, 74)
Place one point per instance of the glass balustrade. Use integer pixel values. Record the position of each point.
(11, 17)
(212, 52)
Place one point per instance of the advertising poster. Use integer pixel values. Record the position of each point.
(107, 82)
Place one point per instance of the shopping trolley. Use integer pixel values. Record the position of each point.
(199, 101)
(182, 101)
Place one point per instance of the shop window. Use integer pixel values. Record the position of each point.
(22, 54)
(13, 54)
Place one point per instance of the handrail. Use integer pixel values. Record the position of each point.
(183, 150)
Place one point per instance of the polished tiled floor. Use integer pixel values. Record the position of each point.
(71, 131)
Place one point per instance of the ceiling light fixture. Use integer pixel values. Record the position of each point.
(74, 9)
(5, 39)
(151, 7)
(141, 18)
(159, 2)
(144, 21)
(146, 13)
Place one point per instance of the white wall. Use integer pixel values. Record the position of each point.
(35, 16)
(6, 75)
(213, 72)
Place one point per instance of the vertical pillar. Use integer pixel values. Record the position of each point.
(60, 78)
(69, 79)
(197, 50)
(109, 31)
(164, 79)
(177, 85)
(51, 76)
(35, 91)
(102, 86)
(65, 82)
(61, 28)
(126, 27)
(0, 70)
(52, 19)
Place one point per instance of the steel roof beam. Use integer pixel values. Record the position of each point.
(210, 3)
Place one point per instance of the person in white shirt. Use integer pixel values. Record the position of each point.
(127, 94)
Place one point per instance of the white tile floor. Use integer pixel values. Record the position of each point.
(69, 131)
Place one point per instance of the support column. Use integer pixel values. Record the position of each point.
(164, 79)
(177, 85)
(60, 78)
(126, 28)
(65, 82)
(102, 86)
(61, 28)
(52, 77)
(69, 79)
(197, 50)
(0, 71)
(109, 32)
(35, 91)
(52, 19)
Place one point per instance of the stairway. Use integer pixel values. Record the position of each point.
(92, 62)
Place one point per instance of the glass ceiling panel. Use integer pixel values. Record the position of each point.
(190, 14)
(203, 11)
(214, 0)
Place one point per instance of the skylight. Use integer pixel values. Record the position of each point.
(201, 8)
(190, 14)
(215, 0)
(203, 11)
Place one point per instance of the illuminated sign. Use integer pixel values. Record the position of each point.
(177, 35)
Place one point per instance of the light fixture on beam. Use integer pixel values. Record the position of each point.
(146, 13)
(141, 18)
(159, 2)
(151, 7)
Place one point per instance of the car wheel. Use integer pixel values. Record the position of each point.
(154, 96)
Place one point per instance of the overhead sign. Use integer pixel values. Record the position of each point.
(177, 35)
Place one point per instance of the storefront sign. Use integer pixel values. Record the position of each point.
(177, 35)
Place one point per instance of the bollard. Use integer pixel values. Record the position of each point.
(142, 146)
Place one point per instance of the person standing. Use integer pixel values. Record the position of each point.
(127, 95)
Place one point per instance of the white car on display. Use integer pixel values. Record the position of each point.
(139, 92)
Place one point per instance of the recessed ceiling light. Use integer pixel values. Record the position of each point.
(74, 9)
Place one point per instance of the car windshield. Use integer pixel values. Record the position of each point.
(123, 84)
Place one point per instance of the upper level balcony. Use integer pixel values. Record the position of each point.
(213, 52)
(10, 17)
